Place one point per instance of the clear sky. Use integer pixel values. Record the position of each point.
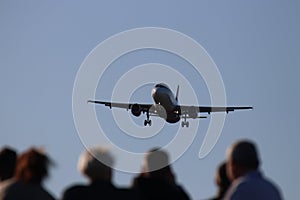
(255, 45)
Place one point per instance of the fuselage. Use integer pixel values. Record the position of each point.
(163, 96)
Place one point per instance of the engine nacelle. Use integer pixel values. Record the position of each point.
(136, 109)
(193, 112)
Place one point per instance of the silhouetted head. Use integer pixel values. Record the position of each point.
(157, 164)
(32, 166)
(96, 164)
(8, 159)
(222, 180)
(242, 158)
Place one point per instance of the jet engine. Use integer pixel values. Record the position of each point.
(136, 109)
(193, 112)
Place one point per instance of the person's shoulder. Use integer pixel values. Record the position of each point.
(76, 188)
(159, 188)
(127, 193)
(272, 188)
(5, 184)
(182, 192)
(20, 190)
(74, 191)
(239, 189)
(98, 190)
(259, 180)
(254, 187)
(10, 187)
(214, 198)
(46, 194)
(141, 182)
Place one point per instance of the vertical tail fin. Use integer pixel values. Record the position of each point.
(177, 93)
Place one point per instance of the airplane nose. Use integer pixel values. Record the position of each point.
(154, 90)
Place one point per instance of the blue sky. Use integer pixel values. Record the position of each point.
(254, 44)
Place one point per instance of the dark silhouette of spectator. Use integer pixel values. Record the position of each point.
(31, 170)
(248, 182)
(96, 164)
(222, 181)
(8, 159)
(157, 181)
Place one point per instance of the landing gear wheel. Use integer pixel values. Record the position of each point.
(185, 123)
(146, 122)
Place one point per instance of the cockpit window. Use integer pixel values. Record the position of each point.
(161, 85)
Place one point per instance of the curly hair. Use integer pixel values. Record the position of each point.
(32, 166)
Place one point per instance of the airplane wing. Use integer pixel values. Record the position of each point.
(184, 109)
(209, 109)
(153, 110)
(127, 106)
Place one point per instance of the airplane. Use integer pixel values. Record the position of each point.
(166, 106)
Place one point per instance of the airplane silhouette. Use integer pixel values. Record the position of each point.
(166, 106)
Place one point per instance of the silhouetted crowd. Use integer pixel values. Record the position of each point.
(238, 178)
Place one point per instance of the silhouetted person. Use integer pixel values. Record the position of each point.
(96, 164)
(248, 181)
(157, 181)
(8, 159)
(222, 181)
(31, 170)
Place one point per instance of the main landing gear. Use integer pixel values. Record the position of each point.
(147, 121)
(184, 122)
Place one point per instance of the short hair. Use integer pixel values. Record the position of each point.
(156, 159)
(8, 159)
(32, 166)
(244, 153)
(95, 162)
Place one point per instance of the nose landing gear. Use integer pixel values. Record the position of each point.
(147, 121)
(183, 123)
